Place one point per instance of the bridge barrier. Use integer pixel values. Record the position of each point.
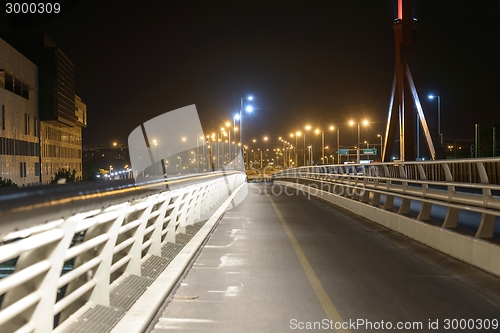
(459, 186)
(71, 246)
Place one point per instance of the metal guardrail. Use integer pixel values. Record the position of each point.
(457, 185)
(71, 245)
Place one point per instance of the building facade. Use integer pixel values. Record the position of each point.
(61, 113)
(19, 120)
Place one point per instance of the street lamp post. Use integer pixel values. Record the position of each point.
(304, 149)
(357, 146)
(297, 134)
(322, 145)
(338, 145)
(248, 109)
(439, 116)
(381, 144)
(307, 128)
(365, 122)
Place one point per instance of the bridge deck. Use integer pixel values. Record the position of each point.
(277, 262)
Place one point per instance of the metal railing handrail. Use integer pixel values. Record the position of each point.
(64, 266)
(374, 180)
(22, 208)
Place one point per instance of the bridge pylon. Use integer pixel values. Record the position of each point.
(404, 97)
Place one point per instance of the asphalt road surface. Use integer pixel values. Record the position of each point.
(289, 263)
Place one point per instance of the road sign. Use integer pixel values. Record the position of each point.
(369, 151)
(343, 151)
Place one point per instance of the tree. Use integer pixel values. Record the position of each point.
(7, 183)
(69, 176)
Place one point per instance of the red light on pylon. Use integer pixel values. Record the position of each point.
(400, 9)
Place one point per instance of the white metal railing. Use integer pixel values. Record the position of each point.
(458, 185)
(64, 266)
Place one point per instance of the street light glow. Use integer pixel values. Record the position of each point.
(237, 116)
(308, 127)
(250, 98)
(431, 96)
(351, 122)
(249, 109)
(365, 122)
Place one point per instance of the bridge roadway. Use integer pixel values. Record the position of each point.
(278, 263)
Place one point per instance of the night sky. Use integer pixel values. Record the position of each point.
(305, 62)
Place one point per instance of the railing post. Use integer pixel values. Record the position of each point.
(487, 224)
(389, 199)
(451, 218)
(135, 252)
(42, 315)
(100, 293)
(172, 224)
(155, 247)
(405, 202)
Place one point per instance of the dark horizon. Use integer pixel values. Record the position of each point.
(321, 64)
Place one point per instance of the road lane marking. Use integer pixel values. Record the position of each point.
(326, 302)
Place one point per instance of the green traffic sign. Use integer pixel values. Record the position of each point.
(369, 151)
(343, 151)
